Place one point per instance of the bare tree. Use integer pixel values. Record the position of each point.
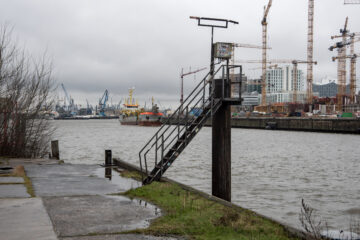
(310, 221)
(26, 89)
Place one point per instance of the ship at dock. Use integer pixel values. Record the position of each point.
(133, 114)
(131, 111)
(151, 117)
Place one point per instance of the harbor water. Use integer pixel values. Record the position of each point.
(271, 170)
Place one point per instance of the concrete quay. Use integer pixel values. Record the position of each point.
(72, 202)
(330, 125)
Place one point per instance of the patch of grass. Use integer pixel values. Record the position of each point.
(190, 215)
(29, 186)
(131, 174)
(10, 183)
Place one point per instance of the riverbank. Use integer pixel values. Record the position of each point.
(330, 125)
(79, 202)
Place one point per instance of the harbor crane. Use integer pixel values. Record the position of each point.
(310, 52)
(264, 48)
(70, 107)
(102, 103)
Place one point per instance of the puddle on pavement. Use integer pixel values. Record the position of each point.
(114, 177)
(146, 205)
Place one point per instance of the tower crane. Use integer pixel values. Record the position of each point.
(182, 75)
(264, 46)
(310, 52)
(341, 64)
(239, 45)
(295, 77)
(102, 103)
(353, 58)
(350, 42)
(269, 67)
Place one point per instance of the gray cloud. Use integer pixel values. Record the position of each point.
(120, 44)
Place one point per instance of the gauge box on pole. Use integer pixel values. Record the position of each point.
(223, 50)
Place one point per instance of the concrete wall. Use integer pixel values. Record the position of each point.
(339, 125)
(343, 125)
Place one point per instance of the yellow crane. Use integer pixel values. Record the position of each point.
(341, 69)
(264, 48)
(310, 52)
(353, 58)
(239, 45)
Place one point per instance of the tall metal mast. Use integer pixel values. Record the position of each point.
(264, 42)
(310, 52)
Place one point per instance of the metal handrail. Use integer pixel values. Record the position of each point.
(199, 89)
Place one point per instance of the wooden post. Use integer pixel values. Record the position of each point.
(221, 145)
(55, 149)
(108, 158)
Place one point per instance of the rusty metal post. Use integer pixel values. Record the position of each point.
(55, 149)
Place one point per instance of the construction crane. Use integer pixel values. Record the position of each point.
(264, 48)
(239, 45)
(182, 75)
(102, 103)
(269, 67)
(310, 52)
(341, 64)
(351, 1)
(352, 57)
(295, 77)
(352, 74)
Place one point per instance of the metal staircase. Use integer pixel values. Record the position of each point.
(180, 128)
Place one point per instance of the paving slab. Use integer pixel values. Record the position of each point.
(74, 180)
(100, 214)
(25, 219)
(13, 191)
(11, 180)
(121, 237)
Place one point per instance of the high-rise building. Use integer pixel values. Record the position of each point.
(280, 79)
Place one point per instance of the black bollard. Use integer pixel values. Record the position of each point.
(108, 158)
(55, 149)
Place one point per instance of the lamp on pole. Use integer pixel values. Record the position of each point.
(211, 22)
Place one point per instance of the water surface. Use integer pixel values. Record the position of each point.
(271, 170)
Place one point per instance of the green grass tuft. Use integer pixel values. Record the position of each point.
(190, 215)
(29, 186)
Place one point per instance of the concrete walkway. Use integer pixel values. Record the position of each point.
(73, 202)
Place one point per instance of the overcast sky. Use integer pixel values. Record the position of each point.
(118, 44)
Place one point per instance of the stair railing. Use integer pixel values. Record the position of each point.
(169, 133)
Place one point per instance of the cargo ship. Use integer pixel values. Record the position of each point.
(152, 117)
(130, 113)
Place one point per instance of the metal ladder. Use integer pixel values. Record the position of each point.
(179, 129)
